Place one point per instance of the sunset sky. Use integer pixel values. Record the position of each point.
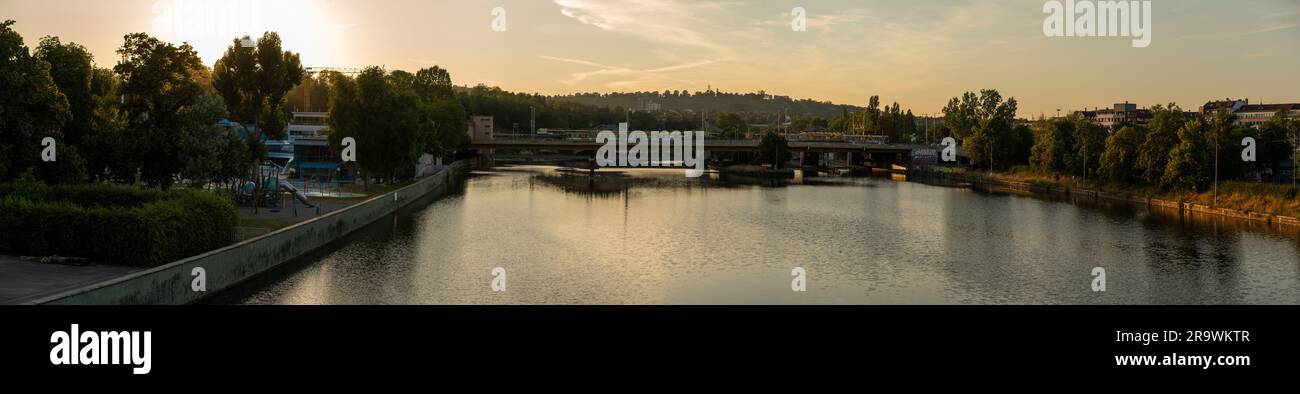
(918, 53)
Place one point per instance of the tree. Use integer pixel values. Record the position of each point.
(444, 130)
(909, 126)
(959, 115)
(254, 81)
(449, 122)
(380, 118)
(71, 70)
(1225, 139)
(1089, 143)
(983, 122)
(872, 116)
(95, 122)
(433, 84)
(1161, 136)
(1017, 146)
(203, 142)
(159, 80)
(733, 126)
(774, 149)
(1118, 161)
(1189, 167)
(1053, 141)
(1275, 141)
(107, 121)
(31, 107)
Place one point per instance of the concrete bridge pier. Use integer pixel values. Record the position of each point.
(485, 159)
(809, 159)
(856, 159)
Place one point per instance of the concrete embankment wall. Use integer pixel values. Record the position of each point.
(1183, 208)
(225, 267)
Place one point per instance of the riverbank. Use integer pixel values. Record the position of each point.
(1261, 202)
(665, 239)
(194, 278)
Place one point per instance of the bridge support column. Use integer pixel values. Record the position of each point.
(856, 159)
(809, 159)
(485, 159)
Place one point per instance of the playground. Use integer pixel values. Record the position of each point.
(281, 200)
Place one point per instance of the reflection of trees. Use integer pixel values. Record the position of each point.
(600, 185)
(741, 180)
(1195, 258)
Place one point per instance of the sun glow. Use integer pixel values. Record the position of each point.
(306, 27)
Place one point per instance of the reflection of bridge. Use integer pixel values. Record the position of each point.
(856, 153)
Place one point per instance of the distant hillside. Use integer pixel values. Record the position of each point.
(670, 110)
(709, 100)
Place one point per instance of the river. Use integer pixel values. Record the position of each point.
(656, 237)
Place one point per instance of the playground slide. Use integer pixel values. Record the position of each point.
(296, 194)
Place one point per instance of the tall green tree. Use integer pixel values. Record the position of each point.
(31, 107)
(71, 69)
(1225, 139)
(1118, 161)
(1089, 144)
(1053, 142)
(984, 121)
(254, 80)
(1161, 137)
(773, 149)
(1190, 165)
(733, 125)
(872, 116)
(960, 117)
(380, 118)
(1275, 141)
(909, 126)
(444, 130)
(203, 143)
(96, 123)
(159, 80)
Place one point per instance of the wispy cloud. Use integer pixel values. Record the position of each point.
(679, 23)
(607, 70)
(1262, 30)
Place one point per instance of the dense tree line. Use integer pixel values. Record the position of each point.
(153, 119)
(986, 126)
(394, 117)
(733, 115)
(147, 120)
(710, 100)
(1174, 150)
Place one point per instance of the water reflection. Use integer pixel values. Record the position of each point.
(635, 237)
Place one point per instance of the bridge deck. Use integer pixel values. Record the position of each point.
(718, 145)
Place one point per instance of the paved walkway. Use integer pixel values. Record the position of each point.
(287, 211)
(24, 281)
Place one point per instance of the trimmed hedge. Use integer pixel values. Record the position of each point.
(114, 224)
(84, 195)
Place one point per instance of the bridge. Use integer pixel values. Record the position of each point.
(857, 154)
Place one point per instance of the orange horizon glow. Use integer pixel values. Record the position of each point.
(918, 54)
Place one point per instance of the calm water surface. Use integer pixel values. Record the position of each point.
(655, 237)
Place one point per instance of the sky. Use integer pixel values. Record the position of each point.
(918, 53)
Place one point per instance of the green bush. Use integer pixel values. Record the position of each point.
(120, 225)
(109, 196)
